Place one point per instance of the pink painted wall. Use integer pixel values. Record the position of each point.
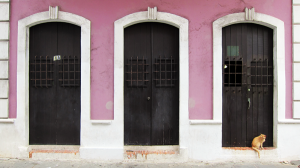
(102, 14)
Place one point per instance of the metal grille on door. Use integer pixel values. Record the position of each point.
(165, 72)
(137, 74)
(42, 69)
(69, 71)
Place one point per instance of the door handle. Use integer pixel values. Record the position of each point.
(249, 102)
(148, 98)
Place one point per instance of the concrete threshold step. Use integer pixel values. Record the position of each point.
(58, 152)
(158, 153)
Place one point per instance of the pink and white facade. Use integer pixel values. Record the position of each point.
(102, 101)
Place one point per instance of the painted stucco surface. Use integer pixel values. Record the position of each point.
(102, 14)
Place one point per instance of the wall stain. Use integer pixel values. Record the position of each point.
(133, 154)
(95, 48)
(53, 151)
(191, 103)
(109, 105)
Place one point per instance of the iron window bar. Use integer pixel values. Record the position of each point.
(136, 73)
(165, 72)
(261, 79)
(41, 71)
(233, 72)
(69, 71)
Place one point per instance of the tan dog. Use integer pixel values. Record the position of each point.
(257, 143)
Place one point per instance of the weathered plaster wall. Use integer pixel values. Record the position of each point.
(102, 14)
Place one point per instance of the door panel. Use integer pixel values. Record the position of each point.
(165, 85)
(137, 107)
(54, 91)
(151, 108)
(247, 84)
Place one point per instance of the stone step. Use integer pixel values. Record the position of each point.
(54, 152)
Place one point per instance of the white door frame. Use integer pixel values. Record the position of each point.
(22, 121)
(171, 19)
(279, 88)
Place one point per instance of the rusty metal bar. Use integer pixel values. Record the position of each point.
(172, 72)
(131, 71)
(256, 72)
(229, 67)
(267, 71)
(234, 72)
(74, 71)
(160, 70)
(46, 71)
(35, 72)
(63, 71)
(165, 71)
(79, 70)
(51, 70)
(137, 71)
(41, 71)
(143, 71)
(261, 73)
(68, 70)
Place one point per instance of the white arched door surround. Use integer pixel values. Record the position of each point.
(278, 62)
(22, 121)
(152, 16)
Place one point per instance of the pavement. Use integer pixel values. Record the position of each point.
(32, 163)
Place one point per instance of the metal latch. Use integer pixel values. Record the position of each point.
(56, 57)
(249, 102)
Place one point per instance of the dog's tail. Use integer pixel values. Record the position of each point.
(256, 151)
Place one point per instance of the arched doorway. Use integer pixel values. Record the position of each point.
(54, 84)
(151, 84)
(247, 84)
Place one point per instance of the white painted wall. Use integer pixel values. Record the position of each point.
(205, 141)
(288, 135)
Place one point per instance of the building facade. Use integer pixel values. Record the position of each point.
(166, 80)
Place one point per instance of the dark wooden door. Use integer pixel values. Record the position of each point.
(54, 88)
(247, 84)
(151, 84)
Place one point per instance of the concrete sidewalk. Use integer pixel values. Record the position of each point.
(31, 163)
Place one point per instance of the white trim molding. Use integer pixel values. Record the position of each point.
(105, 122)
(22, 120)
(7, 120)
(250, 14)
(53, 12)
(205, 122)
(152, 13)
(278, 62)
(296, 59)
(171, 19)
(4, 62)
